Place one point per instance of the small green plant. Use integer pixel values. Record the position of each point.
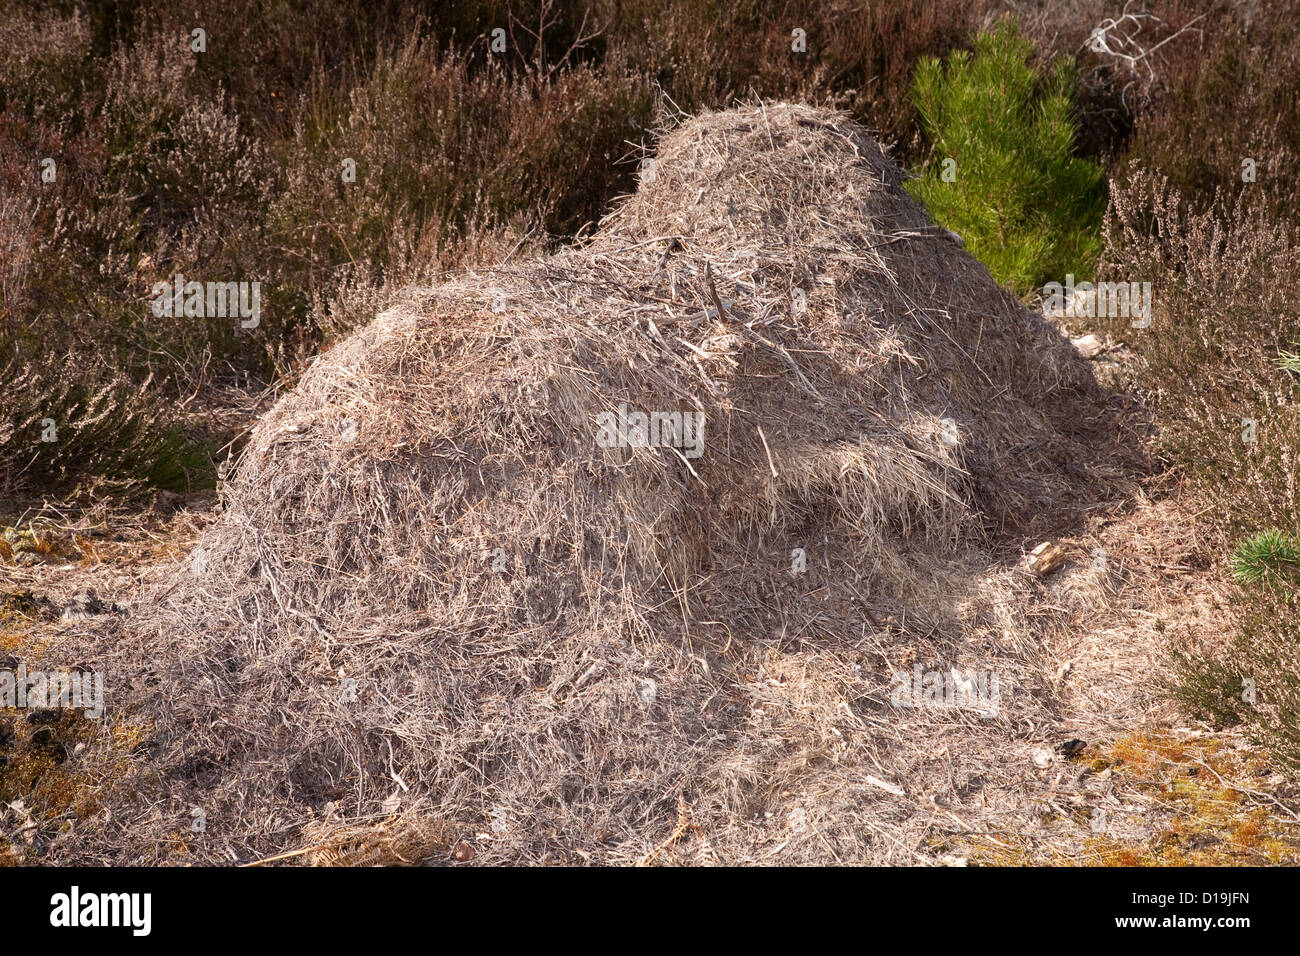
(1003, 173)
(1267, 553)
(1289, 362)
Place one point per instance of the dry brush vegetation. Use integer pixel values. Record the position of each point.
(426, 616)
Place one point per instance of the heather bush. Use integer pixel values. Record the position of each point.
(67, 422)
(1211, 366)
(44, 72)
(1225, 93)
(441, 153)
(859, 57)
(1225, 311)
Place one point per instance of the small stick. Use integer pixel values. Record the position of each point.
(769, 452)
(713, 290)
(289, 855)
(887, 787)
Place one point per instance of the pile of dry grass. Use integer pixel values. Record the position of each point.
(431, 593)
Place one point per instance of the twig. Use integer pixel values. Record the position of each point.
(769, 452)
